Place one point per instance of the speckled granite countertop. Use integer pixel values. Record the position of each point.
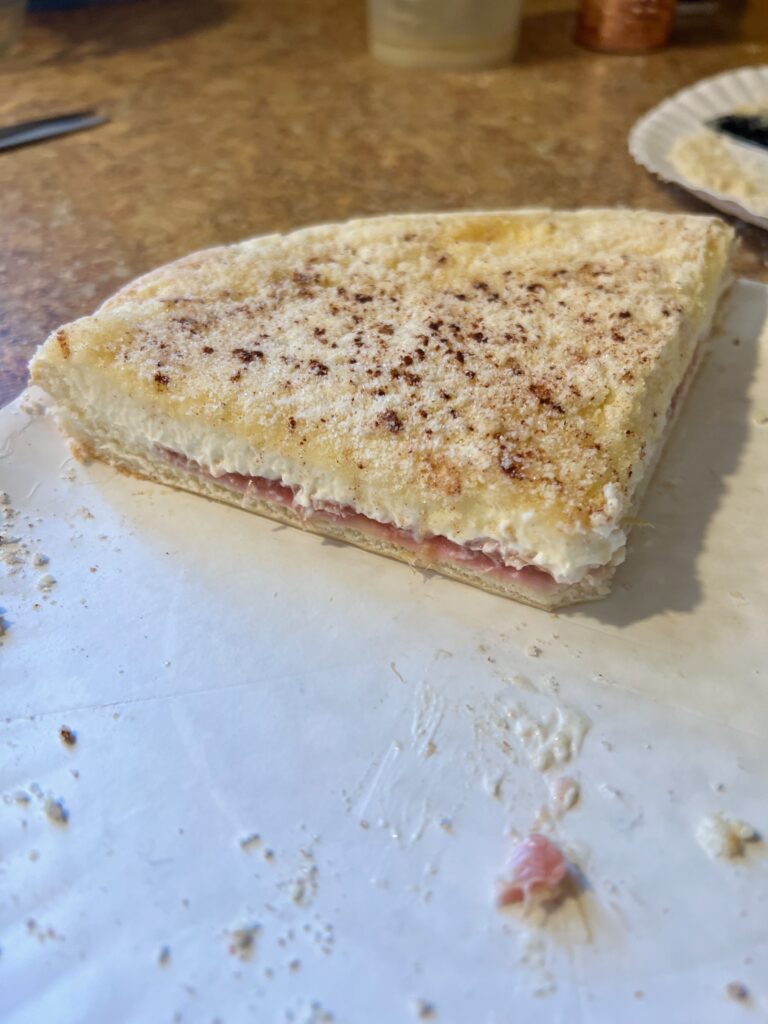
(231, 118)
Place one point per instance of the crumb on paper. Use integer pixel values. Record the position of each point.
(68, 736)
(533, 651)
(243, 941)
(85, 513)
(294, 966)
(5, 498)
(41, 933)
(537, 870)
(3, 627)
(761, 419)
(315, 1013)
(396, 671)
(46, 583)
(553, 739)
(39, 560)
(56, 811)
(724, 837)
(565, 793)
(737, 991)
(305, 884)
(250, 842)
(534, 957)
(164, 956)
(13, 552)
(423, 1009)
(32, 406)
(446, 824)
(493, 784)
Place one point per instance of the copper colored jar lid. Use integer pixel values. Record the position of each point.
(625, 26)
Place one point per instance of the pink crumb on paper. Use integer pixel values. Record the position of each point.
(537, 866)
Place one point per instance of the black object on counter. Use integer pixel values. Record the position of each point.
(49, 128)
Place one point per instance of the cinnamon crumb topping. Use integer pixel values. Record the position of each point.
(247, 355)
(522, 345)
(61, 338)
(391, 421)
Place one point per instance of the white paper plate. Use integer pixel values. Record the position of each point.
(686, 112)
(227, 677)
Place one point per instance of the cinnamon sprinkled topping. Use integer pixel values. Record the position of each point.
(498, 331)
(247, 355)
(61, 337)
(391, 421)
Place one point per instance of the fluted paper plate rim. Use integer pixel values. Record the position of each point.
(652, 136)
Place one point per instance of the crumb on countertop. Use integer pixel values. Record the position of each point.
(164, 956)
(46, 583)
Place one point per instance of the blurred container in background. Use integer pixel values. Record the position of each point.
(451, 35)
(11, 23)
(625, 26)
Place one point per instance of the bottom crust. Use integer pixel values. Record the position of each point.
(141, 464)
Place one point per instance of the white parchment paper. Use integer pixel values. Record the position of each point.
(300, 768)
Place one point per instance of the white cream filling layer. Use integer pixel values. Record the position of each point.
(516, 534)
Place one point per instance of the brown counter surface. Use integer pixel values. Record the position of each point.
(232, 118)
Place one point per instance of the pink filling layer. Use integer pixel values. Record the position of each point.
(435, 548)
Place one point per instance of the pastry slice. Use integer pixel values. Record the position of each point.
(481, 394)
